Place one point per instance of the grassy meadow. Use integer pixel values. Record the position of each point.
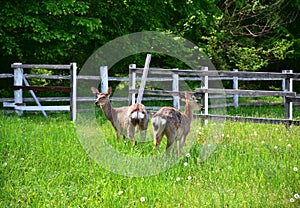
(43, 164)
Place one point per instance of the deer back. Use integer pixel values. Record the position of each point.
(121, 119)
(171, 115)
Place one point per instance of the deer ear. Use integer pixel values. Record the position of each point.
(187, 95)
(94, 90)
(109, 90)
(182, 97)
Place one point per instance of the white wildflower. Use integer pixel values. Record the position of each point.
(178, 179)
(297, 196)
(190, 178)
(289, 145)
(188, 155)
(295, 169)
(292, 200)
(185, 164)
(142, 199)
(120, 192)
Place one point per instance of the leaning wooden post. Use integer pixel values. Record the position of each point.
(144, 78)
(235, 87)
(288, 88)
(34, 97)
(103, 78)
(132, 83)
(175, 88)
(18, 81)
(205, 95)
(73, 83)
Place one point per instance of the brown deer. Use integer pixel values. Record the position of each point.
(123, 119)
(175, 125)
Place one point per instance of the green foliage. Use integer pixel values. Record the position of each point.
(34, 31)
(250, 35)
(244, 34)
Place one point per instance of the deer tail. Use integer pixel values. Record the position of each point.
(138, 112)
(158, 124)
(138, 115)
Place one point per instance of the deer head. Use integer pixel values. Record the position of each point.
(191, 100)
(102, 97)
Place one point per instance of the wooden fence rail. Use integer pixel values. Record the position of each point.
(205, 76)
(172, 75)
(21, 83)
(287, 77)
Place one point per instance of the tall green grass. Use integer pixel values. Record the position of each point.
(43, 164)
(276, 111)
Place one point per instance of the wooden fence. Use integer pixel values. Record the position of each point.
(204, 92)
(21, 83)
(174, 78)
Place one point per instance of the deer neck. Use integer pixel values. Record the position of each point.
(108, 110)
(189, 111)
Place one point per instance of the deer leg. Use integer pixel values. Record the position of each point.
(117, 132)
(171, 140)
(143, 131)
(131, 134)
(177, 148)
(182, 142)
(157, 140)
(143, 134)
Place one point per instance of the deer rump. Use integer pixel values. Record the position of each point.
(167, 121)
(138, 116)
(127, 119)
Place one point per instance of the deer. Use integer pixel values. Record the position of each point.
(125, 119)
(173, 124)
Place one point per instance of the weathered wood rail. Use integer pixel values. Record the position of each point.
(172, 75)
(203, 92)
(21, 83)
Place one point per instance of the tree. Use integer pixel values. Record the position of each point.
(47, 31)
(248, 34)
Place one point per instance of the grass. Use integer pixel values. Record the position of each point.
(277, 111)
(43, 164)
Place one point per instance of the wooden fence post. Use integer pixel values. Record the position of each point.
(18, 81)
(104, 78)
(288, 88)
(132, 83)
(175, 88)
(205, 95)
(283, 87)
(73, 96)
(235, 87)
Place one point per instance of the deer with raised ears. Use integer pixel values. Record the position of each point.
(126, 119)
(173, 124)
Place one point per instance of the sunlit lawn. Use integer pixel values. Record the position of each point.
(43, 164)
